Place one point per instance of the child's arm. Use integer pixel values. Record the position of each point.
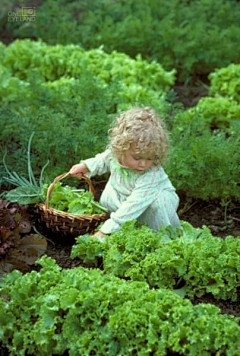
(97, 165)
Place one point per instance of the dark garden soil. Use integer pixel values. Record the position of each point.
(189, 95)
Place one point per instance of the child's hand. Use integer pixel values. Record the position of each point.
(98, 234)
(78, 170)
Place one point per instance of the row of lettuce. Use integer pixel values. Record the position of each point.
(86, 312)
(191, 261)
(69, 98)
(179, 34)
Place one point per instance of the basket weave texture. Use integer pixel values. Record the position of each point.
(66, 223)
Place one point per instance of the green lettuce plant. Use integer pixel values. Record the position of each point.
(178, 34)
(54, 311)
(190, 261)
(225, 82)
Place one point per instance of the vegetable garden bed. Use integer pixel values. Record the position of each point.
(44, 321)
(196, 212)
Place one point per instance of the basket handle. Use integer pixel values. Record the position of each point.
(60, 177)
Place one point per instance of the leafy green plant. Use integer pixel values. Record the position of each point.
(55, 311)
(226, 82)
(26, 58)
(178, 34)
(214, 267)
(27, 191)
(89, 250)
(191, 258)
(203, 161)
(211, 112)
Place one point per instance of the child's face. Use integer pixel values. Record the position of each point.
(136, 161)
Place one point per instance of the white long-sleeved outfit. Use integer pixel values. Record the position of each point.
(147, 196)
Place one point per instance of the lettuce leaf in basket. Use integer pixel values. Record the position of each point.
(76, 207)
(72, 200)
(61, 194)
(81, 204)
(84, 204)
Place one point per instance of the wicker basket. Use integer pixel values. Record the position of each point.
(65, 223)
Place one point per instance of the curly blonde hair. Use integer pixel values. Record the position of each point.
(142, 127)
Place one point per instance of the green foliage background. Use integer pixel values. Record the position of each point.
(179, 34)
(104, 56)
(69, 98)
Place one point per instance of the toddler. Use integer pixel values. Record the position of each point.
(138, 187)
